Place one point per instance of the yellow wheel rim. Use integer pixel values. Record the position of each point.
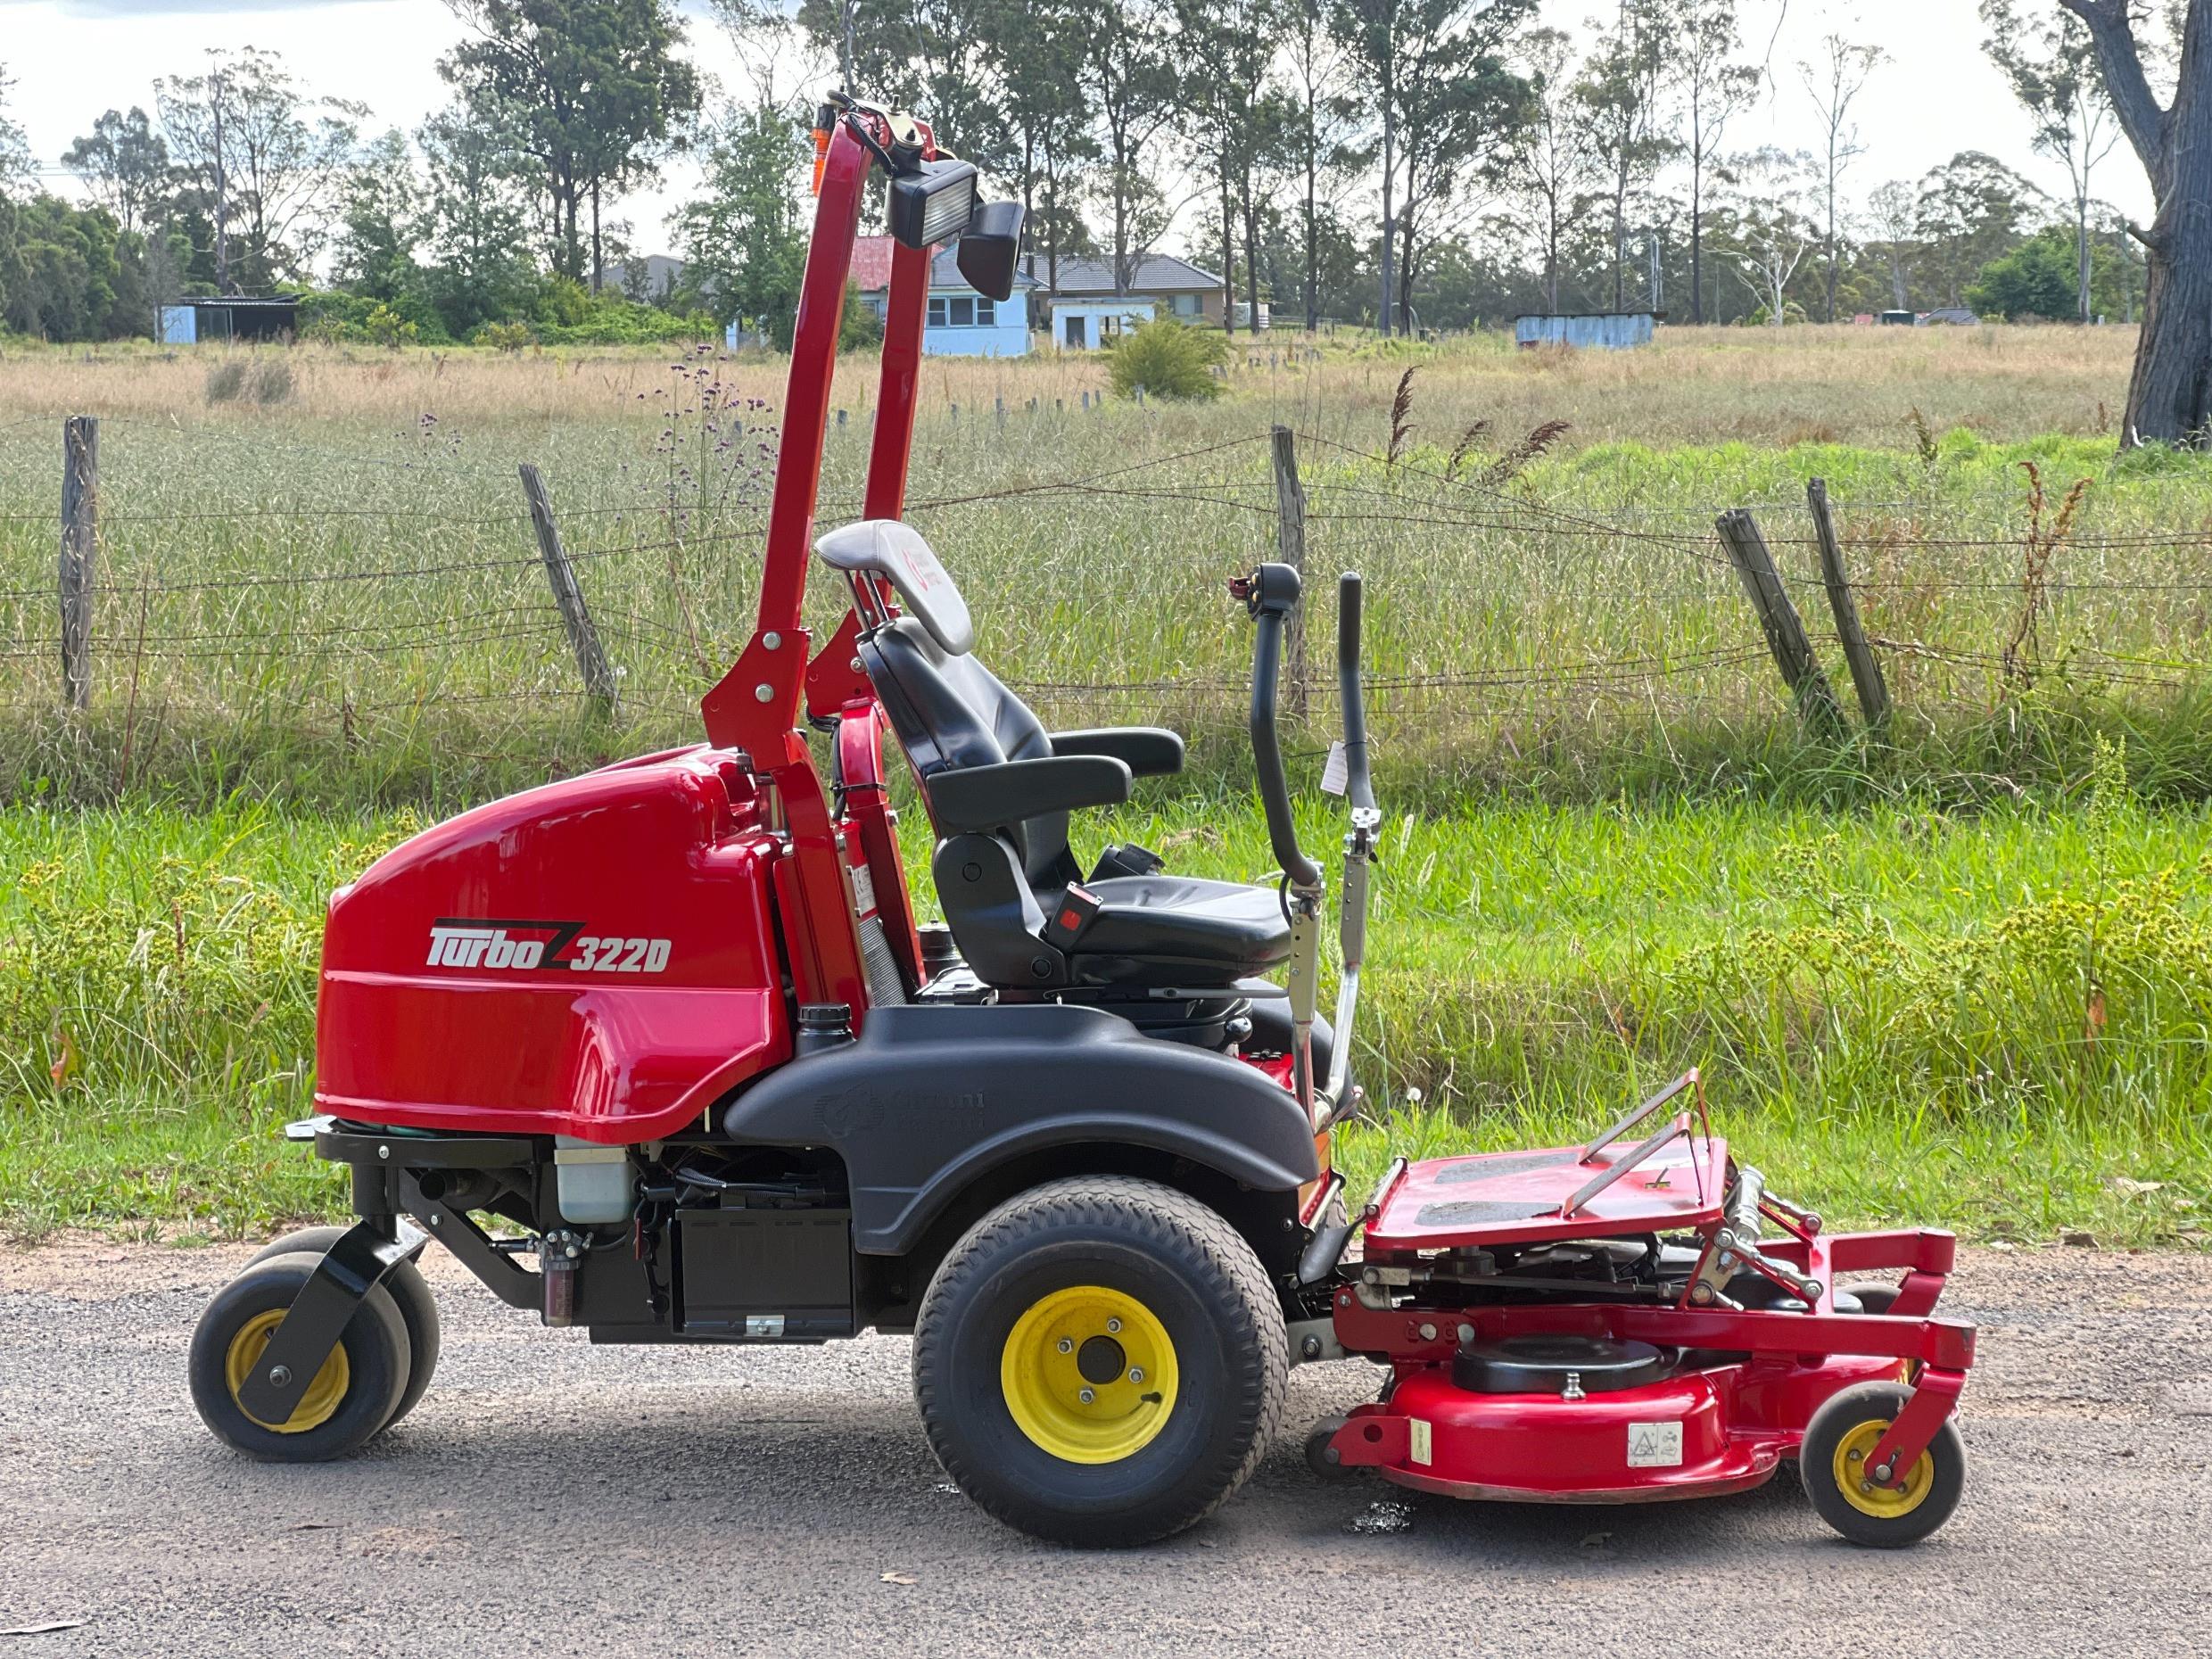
(324, 1394)
(1089, 1375)
(1856, 1482)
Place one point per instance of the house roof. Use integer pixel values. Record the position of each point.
(1155, 272)
(872, 266)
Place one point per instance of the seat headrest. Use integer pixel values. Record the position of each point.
(896, 551)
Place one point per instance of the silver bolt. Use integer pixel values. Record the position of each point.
(384, 1151)
(856, 665)
(1086, 1396)
(1866, 1486)
(280, 1376)
(771, 641)
(1114, 1326)
(1465, 1334)
(1310, 1348)
(1067, 1345)
(1428, 1332)
(1854, 1456)
(1136, 1373)
(763, 694)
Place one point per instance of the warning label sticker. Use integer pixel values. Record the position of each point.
(1424, 1450)
(1654, 1445)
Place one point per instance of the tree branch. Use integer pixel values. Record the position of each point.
(2141, 117)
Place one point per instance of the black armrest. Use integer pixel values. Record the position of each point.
(1149, 751)
(984, 799)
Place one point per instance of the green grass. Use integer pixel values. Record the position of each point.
(342, 608)
(2000, 1020)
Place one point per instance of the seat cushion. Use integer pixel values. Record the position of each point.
(1222, 927)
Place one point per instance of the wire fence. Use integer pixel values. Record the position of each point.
(1500, 616)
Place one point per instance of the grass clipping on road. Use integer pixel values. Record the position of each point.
(1995, 1021)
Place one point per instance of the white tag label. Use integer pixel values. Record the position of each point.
(1424, 1450)
(1337, 774)
(863, 892)
(1654, 1445)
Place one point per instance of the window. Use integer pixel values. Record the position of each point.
(987, 313)
(1189, 304)
(963, 313)
(936, 313)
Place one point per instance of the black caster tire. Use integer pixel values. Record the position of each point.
(409, 1288)
(1875, 1296)
(1100, 1362)
(1837, 1441)
(348, 1402)
(1317, 1458)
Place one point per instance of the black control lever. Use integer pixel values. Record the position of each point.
(1359, 788)
(1270, 594)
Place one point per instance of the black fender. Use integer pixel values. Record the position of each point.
(930, 1098)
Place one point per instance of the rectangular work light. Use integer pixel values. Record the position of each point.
(933, 203)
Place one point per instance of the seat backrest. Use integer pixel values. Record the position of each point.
(950, 712)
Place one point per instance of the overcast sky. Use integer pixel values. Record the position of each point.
(71, 58)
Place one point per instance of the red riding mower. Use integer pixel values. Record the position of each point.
(661, 1051)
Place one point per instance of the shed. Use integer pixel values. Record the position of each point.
(1612, 331)
(218, 317)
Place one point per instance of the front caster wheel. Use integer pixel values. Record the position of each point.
(1832, 1463)
(347, 1401)
(409, 1288)
(1101, 1361)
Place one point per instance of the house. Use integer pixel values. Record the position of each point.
(1082, 306)
(227, 316)
(1610, 331)
(959, 322)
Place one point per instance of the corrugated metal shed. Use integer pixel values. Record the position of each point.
(1612, 331)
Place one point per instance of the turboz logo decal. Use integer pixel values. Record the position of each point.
(497, 943)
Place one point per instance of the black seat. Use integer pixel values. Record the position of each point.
(999, 788)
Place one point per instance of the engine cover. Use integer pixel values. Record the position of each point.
(594, 958)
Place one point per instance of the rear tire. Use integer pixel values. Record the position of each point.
(1832, 1459)
(1100, 1362)
(346, 1403)
(409, 1288)
(1875, 1296)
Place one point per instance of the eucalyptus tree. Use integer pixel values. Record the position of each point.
(1436, 74)
(1711, 92)
(124, 164)
(2170, 394)
(1833, 82)
(1619, 101)
(2052, 71)
(597, 91)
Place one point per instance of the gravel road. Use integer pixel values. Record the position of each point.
(549, 1499)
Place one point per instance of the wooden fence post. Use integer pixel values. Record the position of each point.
(80, 542)
(1290, 542)
(1778, 618)
(1866, 668)
(599, 679)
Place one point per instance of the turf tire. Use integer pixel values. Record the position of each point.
(1197, 1276)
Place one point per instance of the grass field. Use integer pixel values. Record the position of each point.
(1958, 969)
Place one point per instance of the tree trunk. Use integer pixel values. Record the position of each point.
(598, 260)
(2081, 251)
(1228, 256)
(1251, 256)
(2169, 395)
(1696, 240)
(1390, 223)
(1313, 240)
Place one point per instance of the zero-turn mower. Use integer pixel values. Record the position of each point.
(663, 1053)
